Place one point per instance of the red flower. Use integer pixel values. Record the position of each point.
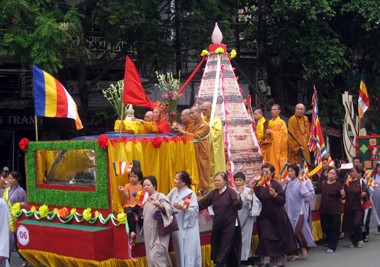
(23, 144)
(156, 142)
(103, 141)
(63, 212)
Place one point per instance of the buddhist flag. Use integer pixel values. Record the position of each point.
(142, 196)
(51, 98)
(122, 167)
(134, 92)
(316, 140)
(363, 101)
(186, 201)
(284, 171)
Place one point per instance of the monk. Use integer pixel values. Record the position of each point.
(277, 132)
(260, 131)
(148, 116)
(217, 154)
(199, 130)
(299, 133)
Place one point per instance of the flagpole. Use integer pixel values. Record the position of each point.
(35, 126)
(121, 118)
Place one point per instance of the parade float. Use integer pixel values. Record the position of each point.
(74, 214)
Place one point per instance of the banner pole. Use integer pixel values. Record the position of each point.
(36, 127)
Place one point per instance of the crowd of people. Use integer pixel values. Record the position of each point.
(279, 207)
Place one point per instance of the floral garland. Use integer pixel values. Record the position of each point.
(64, 216)
(219, 50)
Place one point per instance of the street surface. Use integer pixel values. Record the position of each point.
(368, 256)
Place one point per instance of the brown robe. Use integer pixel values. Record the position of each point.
(226, 237)
(276, 236)
(299, 128)
(353, 213)
(199, 131)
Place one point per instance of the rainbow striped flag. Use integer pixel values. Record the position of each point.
(284, 172)
(363, 101)
(369, 173)
(316, 141)
(51, 99)
(142, 195)
(122, 167)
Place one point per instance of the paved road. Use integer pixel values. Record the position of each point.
(368, 256)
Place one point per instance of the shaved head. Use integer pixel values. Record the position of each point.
(300, 109)
(206, 109)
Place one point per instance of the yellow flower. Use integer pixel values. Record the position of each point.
(87, 215)
(233, 53)
(97, 214)
(204, 53)
(73, 211)
(219, 50)
(33, 209)
(56, 211)
(122, 218)
(43, 210)
(16, 208)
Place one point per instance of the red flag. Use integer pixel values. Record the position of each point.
(134, 92)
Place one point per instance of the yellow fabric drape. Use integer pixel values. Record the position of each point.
(35, 258)
(45, 159)
(162, 162)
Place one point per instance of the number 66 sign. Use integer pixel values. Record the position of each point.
(22, 235)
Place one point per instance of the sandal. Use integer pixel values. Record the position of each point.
(294, 258)
(366, 238)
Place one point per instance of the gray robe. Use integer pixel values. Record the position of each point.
(156, 246)
(374, 193)
(295, 206)
(4, 233)
(247, 217)
(307, 202)
(186, 240)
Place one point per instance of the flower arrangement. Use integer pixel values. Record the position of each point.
(169, 87)
(23, 144)
(114, 95)
(66, 216)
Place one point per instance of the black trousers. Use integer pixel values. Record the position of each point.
(367, 222)
(130, 211)
(331, 227)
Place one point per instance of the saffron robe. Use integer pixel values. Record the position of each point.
(276, 152)
(296, 193)
(276, 237)
(199, 131)
(145, 127)
(217, 153)
(247, 217)
(4, 233)
(225, 224)
(299, 128)
(186, 240)
(260, 133)
(156, 246)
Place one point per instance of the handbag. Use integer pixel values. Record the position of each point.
(365, 202)
(315, 203)
(162, 230)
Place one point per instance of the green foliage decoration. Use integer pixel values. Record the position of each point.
(84, 199)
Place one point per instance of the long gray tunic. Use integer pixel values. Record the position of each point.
(247, 217)
(186, 240)
(296, 193)
(156, 246)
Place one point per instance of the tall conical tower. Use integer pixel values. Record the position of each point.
(220, 87)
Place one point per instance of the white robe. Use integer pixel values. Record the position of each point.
(156, 246)
(186, 240)
(247, 217)
(4, 233)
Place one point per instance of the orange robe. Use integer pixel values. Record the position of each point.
(277, 151)
(299, 128)
(199, 131)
